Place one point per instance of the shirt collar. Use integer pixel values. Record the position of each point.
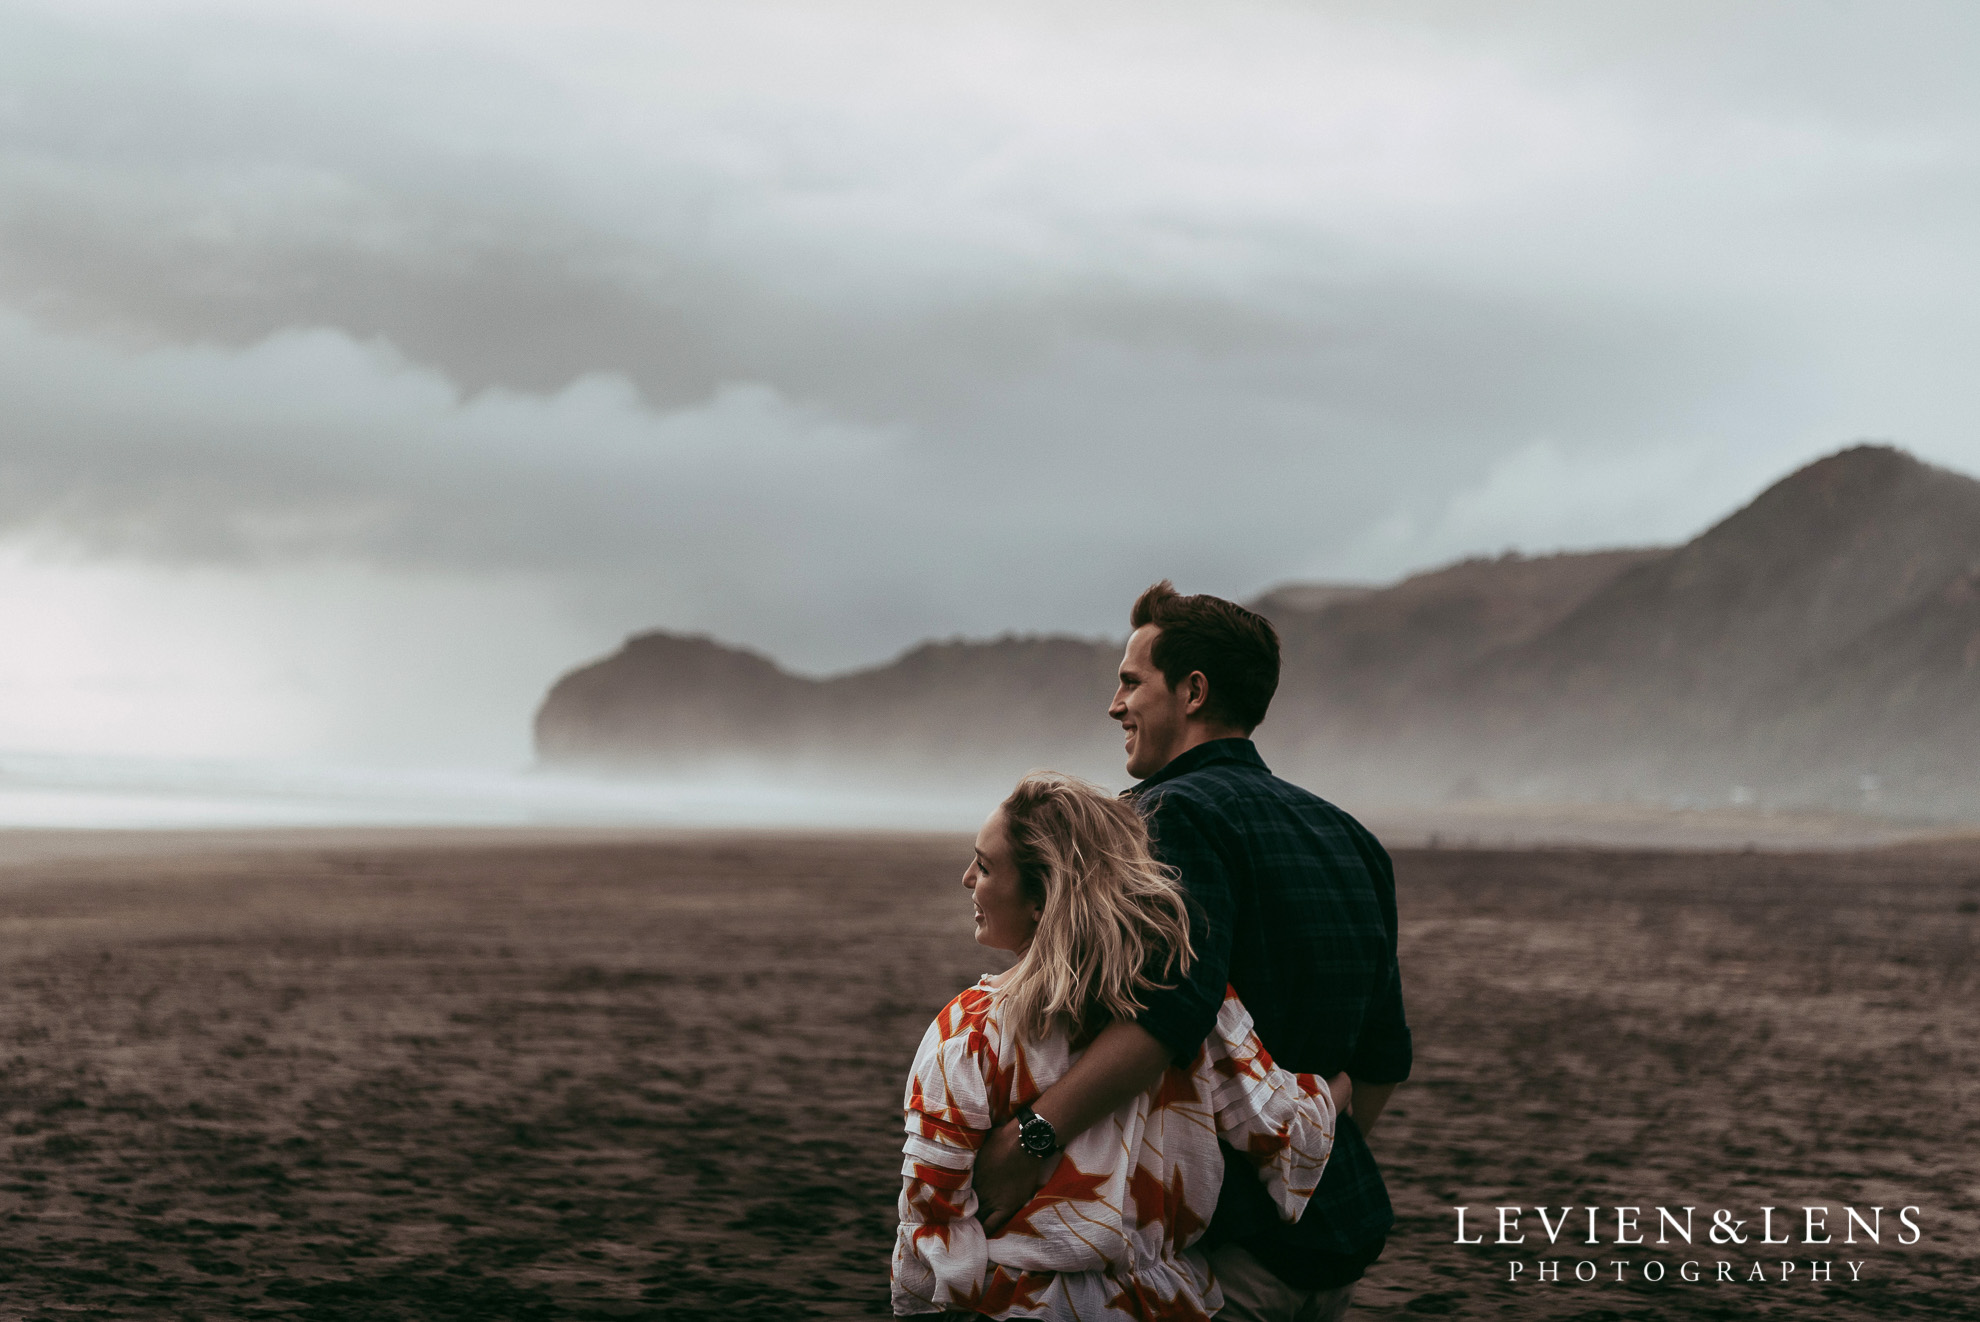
(1240, 751)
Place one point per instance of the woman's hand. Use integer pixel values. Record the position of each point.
(1341, 1089)
(1006, 1176)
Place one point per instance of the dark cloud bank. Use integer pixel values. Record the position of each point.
(824, 331)
(775, 336)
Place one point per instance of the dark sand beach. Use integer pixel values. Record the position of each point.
(403, 1076)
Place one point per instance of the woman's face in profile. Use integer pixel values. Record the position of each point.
(1005, 920)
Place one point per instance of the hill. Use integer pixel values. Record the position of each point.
(965, 712)
(1818, 648)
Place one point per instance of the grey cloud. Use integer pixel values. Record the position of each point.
(226, 204)
(841, 438)
(532, 303)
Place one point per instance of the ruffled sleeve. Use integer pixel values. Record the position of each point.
(940, 1252)
(1284, 1122)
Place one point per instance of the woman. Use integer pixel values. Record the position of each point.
(1063, 878)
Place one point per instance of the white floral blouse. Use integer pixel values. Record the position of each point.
(1109, 1233)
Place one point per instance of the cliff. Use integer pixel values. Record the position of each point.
(968, 712)
(1819, 647)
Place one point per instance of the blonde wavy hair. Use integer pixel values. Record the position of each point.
(1112, 921)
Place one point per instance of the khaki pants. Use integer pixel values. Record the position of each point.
(1253, 1294)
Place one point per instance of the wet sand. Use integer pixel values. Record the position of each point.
(474, 1075)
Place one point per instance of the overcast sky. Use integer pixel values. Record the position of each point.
(365, 365)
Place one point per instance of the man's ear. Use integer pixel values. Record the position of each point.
(1196, 692)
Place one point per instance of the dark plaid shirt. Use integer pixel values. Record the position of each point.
(1295, 907)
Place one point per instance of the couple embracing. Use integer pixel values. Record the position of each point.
(1158, 1110)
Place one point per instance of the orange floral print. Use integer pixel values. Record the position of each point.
(1110, 1233)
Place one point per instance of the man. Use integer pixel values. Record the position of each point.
(1294, 905)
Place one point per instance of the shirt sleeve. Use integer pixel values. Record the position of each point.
(1383, 1052)
(1180, 1017)
(940, 1252)
(1282, 1122)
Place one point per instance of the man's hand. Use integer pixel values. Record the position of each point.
(1374, 1097)
(1006, 1177)
(1341, 1089)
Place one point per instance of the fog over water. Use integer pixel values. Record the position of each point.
(367, 366)
(67, 792)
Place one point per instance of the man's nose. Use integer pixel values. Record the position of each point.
(1117, 708)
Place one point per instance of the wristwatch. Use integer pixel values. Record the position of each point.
(1035, 1133)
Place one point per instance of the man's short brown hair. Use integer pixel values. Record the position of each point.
(1237, 650)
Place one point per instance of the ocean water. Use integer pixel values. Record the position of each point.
(59, 791)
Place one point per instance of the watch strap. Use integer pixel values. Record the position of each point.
(1031, 1123)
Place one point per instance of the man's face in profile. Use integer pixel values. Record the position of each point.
(1153, 723)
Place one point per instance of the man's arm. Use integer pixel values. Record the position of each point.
(1384, 1054)
(1124, 1060)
